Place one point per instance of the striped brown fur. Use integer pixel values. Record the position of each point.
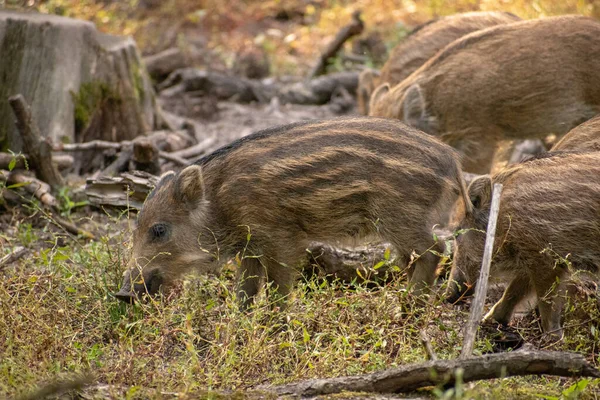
(328, 181)
(550, 203)
(584, 137)
(422, 44)
(521, 80)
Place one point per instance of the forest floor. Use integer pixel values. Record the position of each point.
(58, 315)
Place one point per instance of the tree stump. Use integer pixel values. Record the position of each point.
(82, 84)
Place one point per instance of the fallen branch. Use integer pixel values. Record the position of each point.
(91, 145)
(223, 87)
(174, 158)
(355, 27)
(38, 149)
(195, 150)
(62, 161)
(120, 164)
(444, 372)
(160, 65)
(482, 283)
(70, 227)
(41, 190)
(13, 256)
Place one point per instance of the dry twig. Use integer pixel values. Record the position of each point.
(38, 149)
(355, 27)
(482, 283)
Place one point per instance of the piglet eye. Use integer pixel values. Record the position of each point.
(159, 231)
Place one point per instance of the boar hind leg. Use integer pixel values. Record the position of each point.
(250, 278)
(422, 273)
(550, 288)
(515, 292)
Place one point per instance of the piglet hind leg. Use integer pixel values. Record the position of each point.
(550, 287)
(515, 292)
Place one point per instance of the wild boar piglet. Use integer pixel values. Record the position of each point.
(266, 196)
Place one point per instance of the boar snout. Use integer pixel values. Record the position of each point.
(458, 289)
(136, 284)
(125, 296)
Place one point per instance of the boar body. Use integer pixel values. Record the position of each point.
(422, 44)
(584, 137)
(265, 197)
(515, 81)
(549, 212)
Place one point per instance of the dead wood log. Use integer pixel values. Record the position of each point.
(205, 83)
(127, 190)
(160, 65)
(360, 264)
(319, 90)
(444, 372)
(38, 149)
(102, 92)
(62, 161)
(223, 87)
(41, 190)
(355, 27)
(13, 256)
(482, 283)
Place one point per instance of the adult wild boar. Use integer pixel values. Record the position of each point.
(584, 137)
(512, 81)
(266, 196)
(549, 213)
(422, 44)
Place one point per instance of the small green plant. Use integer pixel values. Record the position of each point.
(574, 391)
(65, 204)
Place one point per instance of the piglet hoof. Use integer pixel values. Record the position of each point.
(502, 337)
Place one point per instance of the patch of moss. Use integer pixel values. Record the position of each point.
(88, 100)
(138, 82)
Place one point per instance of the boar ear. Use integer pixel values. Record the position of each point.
(164, 178)
(413, 106)
(480, 191)
(378, 94)
(189, 187)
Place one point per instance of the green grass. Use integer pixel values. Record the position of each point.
(58, 318)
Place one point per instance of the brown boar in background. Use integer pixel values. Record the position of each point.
(422, 44)
(584, 137)
(514, 81)
(549, 213)
(266, 196)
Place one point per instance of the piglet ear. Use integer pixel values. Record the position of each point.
(377, 96)
(413, 106)
(189, 187)
(480, 191)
